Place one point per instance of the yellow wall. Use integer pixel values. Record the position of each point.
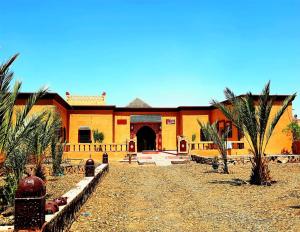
(45, 105)
(122, 132)
(64, 114)
(191, 126)
(280, 140)
(85, 100)
(103, 121)
(169, 133)
(36, 109)
(215, 152)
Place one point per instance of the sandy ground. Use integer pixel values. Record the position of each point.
(192, 198)
(58, 186)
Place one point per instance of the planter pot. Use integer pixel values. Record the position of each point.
(215, 166)
(296, 147)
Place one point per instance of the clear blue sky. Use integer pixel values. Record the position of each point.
(167, 52)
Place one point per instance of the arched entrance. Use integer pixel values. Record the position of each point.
(146, 139)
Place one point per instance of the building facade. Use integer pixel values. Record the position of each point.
(154, 128)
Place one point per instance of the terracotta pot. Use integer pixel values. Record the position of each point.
(60, 201)
(51, 207)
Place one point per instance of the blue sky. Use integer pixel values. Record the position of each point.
(168, 53)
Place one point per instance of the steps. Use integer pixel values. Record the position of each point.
(160, 159)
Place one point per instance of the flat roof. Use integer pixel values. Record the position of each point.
(60, 100)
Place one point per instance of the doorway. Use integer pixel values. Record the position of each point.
(146, 139)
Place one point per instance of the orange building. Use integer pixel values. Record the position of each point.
(154, 128)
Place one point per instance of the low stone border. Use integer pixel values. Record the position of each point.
(77, 196)
(246, 158)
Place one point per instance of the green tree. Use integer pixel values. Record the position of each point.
(211, 133)
(57, 147)
(293, 128)
(254, 119)
(16, 126)
(14, 131)
(44, 138)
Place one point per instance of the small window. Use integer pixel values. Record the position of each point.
(84, 135)
(61, 133)
(202, 136)
(240, 134)
(229, 127)
(221, 127)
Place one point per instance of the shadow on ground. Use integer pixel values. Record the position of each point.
(295, 207)
(234, 182)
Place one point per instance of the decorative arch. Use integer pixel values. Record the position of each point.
(155, 127)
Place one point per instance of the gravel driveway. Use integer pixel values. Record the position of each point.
(191, 198)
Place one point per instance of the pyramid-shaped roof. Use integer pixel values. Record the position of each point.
(138, 103)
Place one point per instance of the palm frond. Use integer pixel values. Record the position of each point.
(32, 100)
(277, 116)
(7, 107)
(254, 119)
(4, 67)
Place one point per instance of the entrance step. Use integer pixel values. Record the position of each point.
(171, 152)
(150, 152)
(161, 159)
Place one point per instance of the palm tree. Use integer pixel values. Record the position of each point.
(253, 118)
(44, 139)
(16, 125)
(14, 132)
(211, 133)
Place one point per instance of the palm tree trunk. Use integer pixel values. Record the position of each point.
(225, 169)
(260, 171)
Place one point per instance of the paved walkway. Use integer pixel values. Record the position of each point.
(160, 159)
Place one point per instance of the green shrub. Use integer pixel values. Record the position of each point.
(98, 136)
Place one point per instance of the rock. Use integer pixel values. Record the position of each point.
(282, 160)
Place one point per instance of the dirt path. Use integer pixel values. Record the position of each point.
(190, 198)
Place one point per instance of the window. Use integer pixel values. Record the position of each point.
(84, 135)
(229, 128)
(240, 134)
(61, 133)
(221, 127)
(202, 136)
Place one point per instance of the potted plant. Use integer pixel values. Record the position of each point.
(98, 138)
(215, 163)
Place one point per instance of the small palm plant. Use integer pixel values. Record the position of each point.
(98, 136)
(211, 133)
(43, 138)
(193, 140)
(57, 147)
(254, 119)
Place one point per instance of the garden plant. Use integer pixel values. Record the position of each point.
(252, 115)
